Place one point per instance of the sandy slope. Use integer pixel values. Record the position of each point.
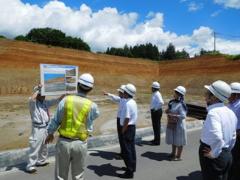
(19, 72)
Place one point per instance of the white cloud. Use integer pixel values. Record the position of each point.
(192, 6)
(216, 13)
(104, 28)
(229, 3)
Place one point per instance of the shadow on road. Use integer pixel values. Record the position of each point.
(156, 156)
(104, 154)
(143, 142)
(21, 167)
(196, 175)
(105, 170)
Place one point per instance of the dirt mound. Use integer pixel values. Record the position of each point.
(20, 61)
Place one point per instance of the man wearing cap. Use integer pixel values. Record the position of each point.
(120, 100)
(128, 123)
(218, 133)
(74, 121)
(39, 111)
(156, 112)
(234, 104)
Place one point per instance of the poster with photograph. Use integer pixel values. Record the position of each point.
(58, 79)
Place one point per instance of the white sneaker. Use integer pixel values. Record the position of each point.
(31, 170)
(40, 164)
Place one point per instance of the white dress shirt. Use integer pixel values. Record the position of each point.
(129, 111)
(235, 106)
(120, 102)
(157, 101)
(219, 129)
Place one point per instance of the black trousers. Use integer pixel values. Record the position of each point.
(129, 151)
(119, 131)
(215, 169)
(234, 173)
(156, 124)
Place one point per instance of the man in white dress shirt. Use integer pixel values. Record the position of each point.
(234, 104)
(128, 123)
(120, 100)
(218, 133)
(156, 112)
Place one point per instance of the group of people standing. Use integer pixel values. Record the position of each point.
(219, 155)
(176, 129)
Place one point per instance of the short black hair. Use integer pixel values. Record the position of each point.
(83, 88)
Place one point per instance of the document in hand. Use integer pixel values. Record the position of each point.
(58, 79)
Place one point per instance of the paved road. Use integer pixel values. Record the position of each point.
(152, 164)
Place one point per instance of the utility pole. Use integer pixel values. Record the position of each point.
(214, 41)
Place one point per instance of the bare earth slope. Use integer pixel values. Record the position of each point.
(20, 61)
(19, 72)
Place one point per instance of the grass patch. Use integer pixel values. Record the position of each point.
(233, 57)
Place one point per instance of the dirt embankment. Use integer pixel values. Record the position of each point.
(19, 69)
(19, 72)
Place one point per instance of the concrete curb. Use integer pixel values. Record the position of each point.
(18, 158)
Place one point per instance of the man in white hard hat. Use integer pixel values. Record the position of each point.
(218, 133)
(128, 123)
(74, 121)
(234, 104)
(39, 111)
(156, 112)
(120, 100)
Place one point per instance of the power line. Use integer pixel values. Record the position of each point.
(223, 36)
(227, 36)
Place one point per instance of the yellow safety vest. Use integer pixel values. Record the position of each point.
(74, 123)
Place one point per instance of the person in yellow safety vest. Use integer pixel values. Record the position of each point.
(74, 121)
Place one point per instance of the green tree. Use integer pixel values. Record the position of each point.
(2, 37)
(56, 37)
(21, 38)
(182, 54)
(170, 52)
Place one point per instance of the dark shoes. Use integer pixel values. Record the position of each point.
(42, 164)
(154, 143)
(127, 175)
(119, 156)
(124, 168)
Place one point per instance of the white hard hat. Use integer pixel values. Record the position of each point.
(86, 79)
(155, 85)
(130, 89)
(121, 89)
(220, 90)
(181, 90)
(235, 87)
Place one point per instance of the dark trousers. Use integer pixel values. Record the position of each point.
(156, 124)
(234, 173)
(129, 151)
(119, 131)
(215, 169)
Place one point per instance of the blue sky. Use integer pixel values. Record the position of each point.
(177, 14)
(187, 24)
